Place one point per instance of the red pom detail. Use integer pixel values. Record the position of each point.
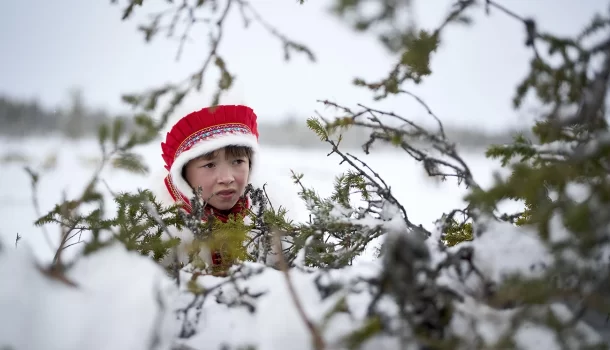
(216, 258)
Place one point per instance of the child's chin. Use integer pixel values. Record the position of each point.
(224, 205)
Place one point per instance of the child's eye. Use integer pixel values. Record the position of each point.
(238, 161)
(208, 165)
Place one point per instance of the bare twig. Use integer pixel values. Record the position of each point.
(402, 135)
(56, 269)
(34, 177)
(156, 331)
(200, 296)
(55, 273)
(428, 109)
(64, 234)
(17, 239)
(155, 215)
(286, 42)
(109, 189)
(267, 196)
(190, 21)
(218, 12)
(318, 340)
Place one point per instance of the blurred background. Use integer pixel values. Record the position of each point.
(64, 65)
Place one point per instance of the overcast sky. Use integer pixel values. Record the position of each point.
(49, 46)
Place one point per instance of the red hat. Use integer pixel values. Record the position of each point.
(205, 131)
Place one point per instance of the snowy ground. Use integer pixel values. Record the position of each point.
(424, 199)
(114, 307)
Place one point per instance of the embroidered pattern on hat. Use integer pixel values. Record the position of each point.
(209, 132)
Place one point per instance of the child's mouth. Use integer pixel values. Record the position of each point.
(227, 194)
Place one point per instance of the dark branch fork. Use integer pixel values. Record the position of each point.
(383, 132)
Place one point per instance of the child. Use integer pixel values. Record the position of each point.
(215, 148)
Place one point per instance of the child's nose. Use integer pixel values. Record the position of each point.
(225, 174)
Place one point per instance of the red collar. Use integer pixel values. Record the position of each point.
(239, 209)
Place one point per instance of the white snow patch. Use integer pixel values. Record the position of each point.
(534, 336)
(122, 300)
(505, 249)
(578, 192)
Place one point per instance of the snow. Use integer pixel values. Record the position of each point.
(129, 302)
(529, 335)
(556, 147)
(113, 307)
(123, 300)
(558, 232)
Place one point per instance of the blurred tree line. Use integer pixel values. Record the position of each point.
(28, 118)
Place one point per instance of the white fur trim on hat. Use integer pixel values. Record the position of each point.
(207, 146)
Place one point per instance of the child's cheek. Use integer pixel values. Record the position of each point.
(244, 172)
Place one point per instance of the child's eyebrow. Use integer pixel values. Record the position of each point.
(205, 157)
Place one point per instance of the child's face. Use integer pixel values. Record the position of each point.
(222, 176)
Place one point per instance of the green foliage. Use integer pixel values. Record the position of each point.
(561, 175)
(342, 226)
(565, 152)
(415, 47)
(139, 222)
(538, 170)
(545, 165)
(345, 184)
(416, 56)
(332, 224)
(236, 240)
(131, 162)
(455, 233)
(229, 239)
(137, 226)
(372, 327)
(570, 150)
